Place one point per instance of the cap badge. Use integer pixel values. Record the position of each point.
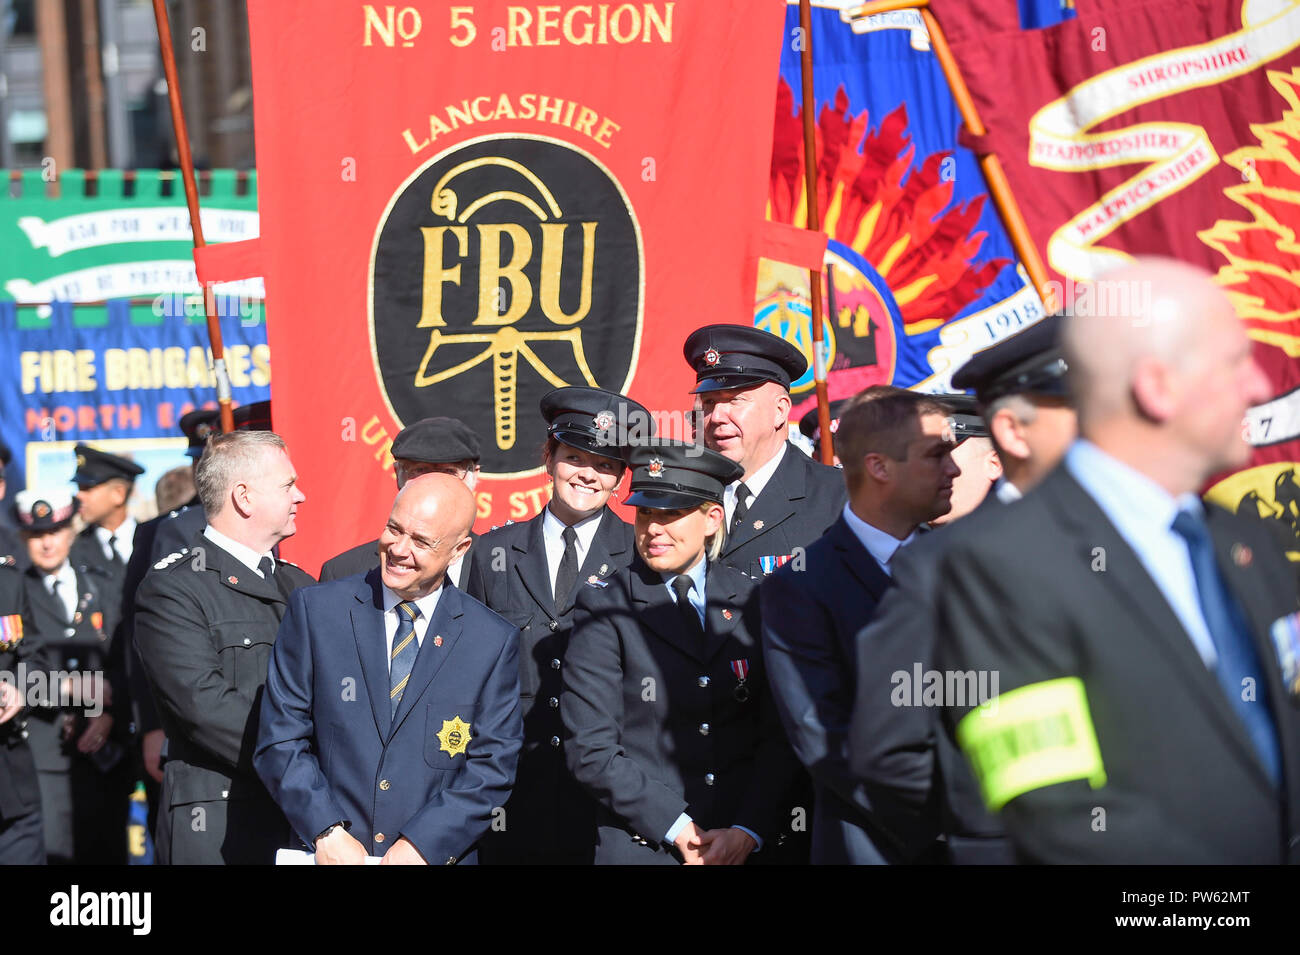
(41, 509)
(202, 431)
(1242, 555)
(711, 357)
(655, 468)
(604, 421)
(81, 460)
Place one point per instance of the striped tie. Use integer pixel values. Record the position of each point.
(405, 650)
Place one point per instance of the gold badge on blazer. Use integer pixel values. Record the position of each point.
(454, 736)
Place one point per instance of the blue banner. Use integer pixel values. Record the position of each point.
(120, 377)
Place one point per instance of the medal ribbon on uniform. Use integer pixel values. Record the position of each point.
(741, 669)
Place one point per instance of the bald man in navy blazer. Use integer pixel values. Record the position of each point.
(391, 723)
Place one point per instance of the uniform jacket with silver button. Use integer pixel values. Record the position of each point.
(204, 627)
(655, 725)
(549, 818)
(331, 750)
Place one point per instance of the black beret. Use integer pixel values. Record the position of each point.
(44, 510)
(592, 419)
(966, 419)
(672, 474)
(94, 467)
(737, 356)
(1029, 362)
(436, 441)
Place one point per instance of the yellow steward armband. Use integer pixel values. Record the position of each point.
(1031, 737)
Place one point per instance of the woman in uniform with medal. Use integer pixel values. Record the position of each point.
(669, 719)
(80, 733)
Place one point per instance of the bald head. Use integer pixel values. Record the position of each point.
(1161, 368)
(427, 529)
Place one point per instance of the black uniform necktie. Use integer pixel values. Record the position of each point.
(405, 649)
(742, 507)
(267, 568)
(682, 585)
(566, 575)
(117, 554)
(54, 592)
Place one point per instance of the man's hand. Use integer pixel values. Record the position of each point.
(726, 846)
(11, 701)
(403, 853)
(151, 746)
(688, 843)
(340, 848)
(96, 733)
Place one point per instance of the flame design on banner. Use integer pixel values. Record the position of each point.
(902, 258)
(1262, 276)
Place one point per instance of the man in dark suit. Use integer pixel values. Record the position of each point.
(1020, 384)
(667, 703)
(22, 835)
(442, 445)
(205, 622)
(1148, 708)
(531, 574)
(897, 455)
(413, 763)
(784, 500)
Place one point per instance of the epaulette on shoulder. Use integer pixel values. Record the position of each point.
(171, 559)
(288, 563)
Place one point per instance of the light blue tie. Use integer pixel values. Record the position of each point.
(405, 649)
(1238, 660)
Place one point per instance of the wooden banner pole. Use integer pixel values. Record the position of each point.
(192, 201)
(813, 223)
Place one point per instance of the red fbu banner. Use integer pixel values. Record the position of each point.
(465, 206)
(1166, 127)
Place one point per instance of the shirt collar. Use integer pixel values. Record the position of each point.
(125, 532)
(64, 575)
(1129, 497)
(879, 545)
(763, 474)
(553, 528)
(698, 573)
(427, 604)
(1005, 491)
(244, 554)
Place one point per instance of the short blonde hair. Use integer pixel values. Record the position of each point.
(229, 458)
(715, 542)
